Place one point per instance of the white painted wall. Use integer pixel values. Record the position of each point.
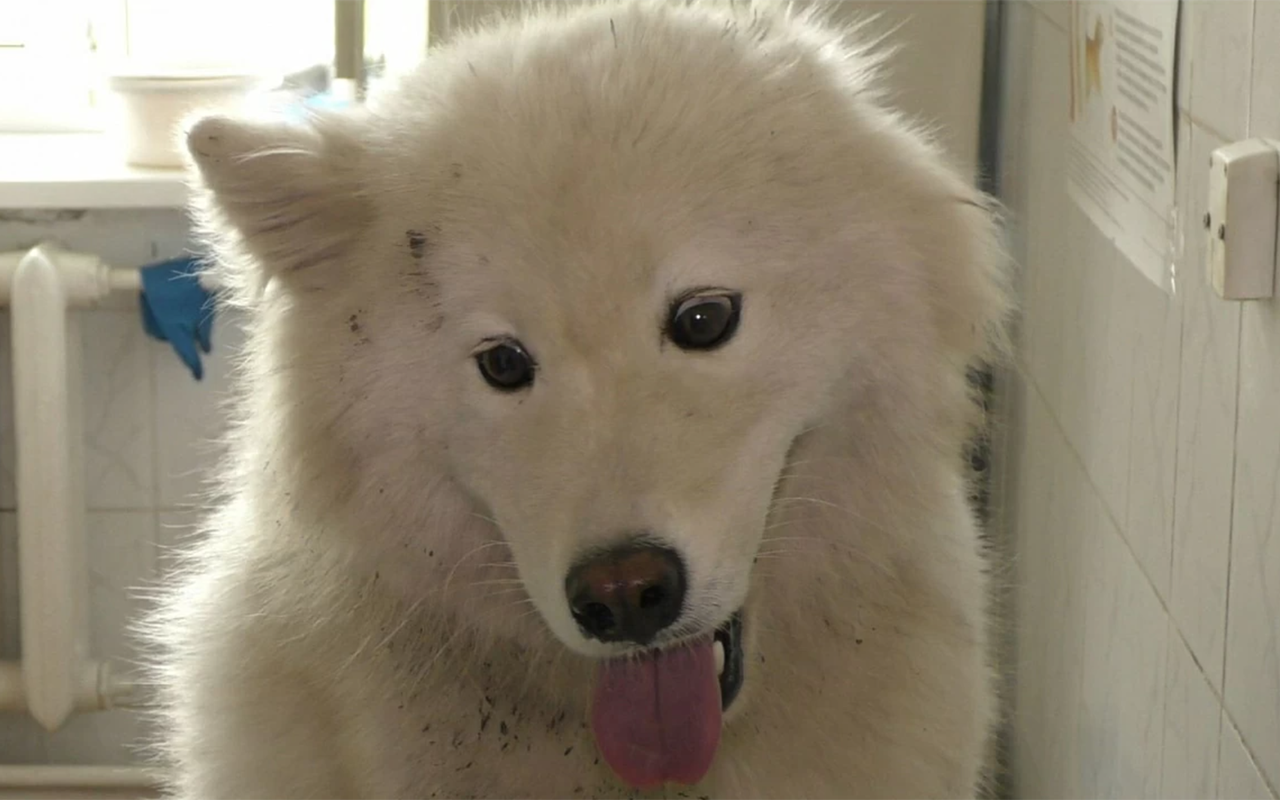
(936, 75)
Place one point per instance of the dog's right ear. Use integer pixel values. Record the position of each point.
(285, 195)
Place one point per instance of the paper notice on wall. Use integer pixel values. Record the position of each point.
(1120, 161)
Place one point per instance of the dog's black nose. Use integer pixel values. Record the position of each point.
(628, 593)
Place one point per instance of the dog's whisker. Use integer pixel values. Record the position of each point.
(776, 554)
(787, 523)
(497, 582)
(795, 548)
(472, 626)
(444, 589)
(509, 590)
(821, 503)
(486, 518)
(364, 645)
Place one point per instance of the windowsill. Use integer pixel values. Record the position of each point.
(80, 170)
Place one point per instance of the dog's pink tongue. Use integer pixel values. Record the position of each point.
(657, 718)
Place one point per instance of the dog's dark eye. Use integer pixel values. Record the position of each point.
(704, 322)
(506, 366)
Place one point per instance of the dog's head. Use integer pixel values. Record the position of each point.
(600, 273)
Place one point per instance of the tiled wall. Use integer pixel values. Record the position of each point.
(1143, 468)
(149, 428)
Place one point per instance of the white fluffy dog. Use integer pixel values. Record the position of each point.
(599, 431)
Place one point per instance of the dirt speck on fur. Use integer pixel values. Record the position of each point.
(417, 244)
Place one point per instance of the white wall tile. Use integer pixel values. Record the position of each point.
(118, 412)
(1221, 64)
(1052, 491)
(1205, 443)
(1057, 12)
(1084, 264)
(1264, 107)
(121, 560)
(1121, 726)
(1094, 353)
(1040, 219)
(1107, 339)
(1238, 775)
(1157, 348)
(115, 380)
(1191, 726)
(1149, 526)
(1252, 683)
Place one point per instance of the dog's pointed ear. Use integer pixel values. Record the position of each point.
(283, 194)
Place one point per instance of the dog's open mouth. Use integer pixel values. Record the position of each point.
(656, 716)
(727, 646)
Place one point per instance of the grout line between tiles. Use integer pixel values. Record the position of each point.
(1231, 518)
(1177, 305)
(1057, 424)
(1075, 454)
(1249, 754)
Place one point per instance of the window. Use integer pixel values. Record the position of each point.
(55, 55)
(47, 56)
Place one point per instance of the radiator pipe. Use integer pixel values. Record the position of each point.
(57, 676)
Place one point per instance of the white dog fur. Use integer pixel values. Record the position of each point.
(377, 608)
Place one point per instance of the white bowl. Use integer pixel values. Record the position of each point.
(152, 107)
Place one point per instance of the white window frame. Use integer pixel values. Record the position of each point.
(52, 73)
(47, 75)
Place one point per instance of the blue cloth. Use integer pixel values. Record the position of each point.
(298, 111)
(177, 309)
